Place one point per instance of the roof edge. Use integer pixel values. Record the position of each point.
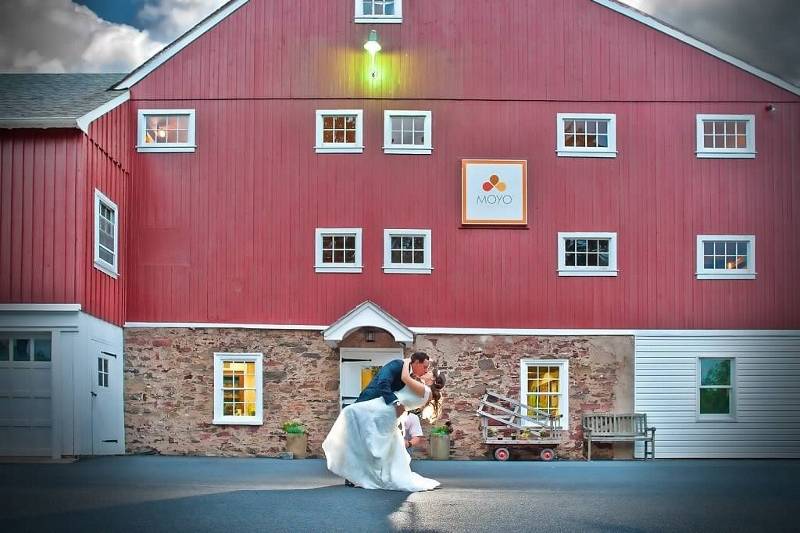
(84, 121)
(696, 43)
(140, 72)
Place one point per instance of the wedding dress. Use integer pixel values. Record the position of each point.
(366, 446)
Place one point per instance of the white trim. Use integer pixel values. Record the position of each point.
(435, 330)
(413, 149)
(731, 416)
(748, 152)
(610, 270)
(369, 314)
(112, 269)
(189, 146)
(219, 418)
(713, 273)
(360, 18)
(68, 308)
(691, 41)
(401, 268)
(322, 147)
(563, 384)
(587, 151)
(179, 44)
(319, 266)
(84, 121)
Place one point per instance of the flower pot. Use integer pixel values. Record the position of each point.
(440, 447)
(297, 444)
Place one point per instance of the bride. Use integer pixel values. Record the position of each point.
(365, 445)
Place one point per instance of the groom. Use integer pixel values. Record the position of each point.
(387, 381)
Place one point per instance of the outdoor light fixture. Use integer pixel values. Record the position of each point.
(373, 47)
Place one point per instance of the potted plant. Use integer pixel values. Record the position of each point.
(440, 442)
(296, 439)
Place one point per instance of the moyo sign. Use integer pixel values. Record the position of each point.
(494, 192)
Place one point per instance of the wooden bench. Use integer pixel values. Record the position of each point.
(607, 427)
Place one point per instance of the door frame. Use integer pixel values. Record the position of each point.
(365, 355)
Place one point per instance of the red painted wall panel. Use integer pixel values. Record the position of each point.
(524, 50)
(226, 234)
(47, 182)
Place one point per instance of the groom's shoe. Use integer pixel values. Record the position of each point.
(348, 483)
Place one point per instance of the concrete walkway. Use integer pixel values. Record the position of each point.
(152, 494)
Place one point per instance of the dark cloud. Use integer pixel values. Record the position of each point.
(764, 33)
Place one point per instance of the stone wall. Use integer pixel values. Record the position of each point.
(169, 385)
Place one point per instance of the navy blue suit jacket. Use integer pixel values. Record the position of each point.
(385, 383)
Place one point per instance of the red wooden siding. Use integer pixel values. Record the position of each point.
(499, 50)
(227, 234)
(47, 181)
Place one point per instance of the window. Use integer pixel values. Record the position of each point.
(379, 11)
(715, 388)
(25, 348)
(726, 257)
(340, 131)
(338, 250)
(544, 387)
(407, 132)
(587, 254)
(166, 130)
(407, 251)
(586, 135)
(238, 394)
(102, 372)
(732, 136)
(106, 234)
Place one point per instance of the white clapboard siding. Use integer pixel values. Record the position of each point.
(767, 395)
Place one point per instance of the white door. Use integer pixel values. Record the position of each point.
(358, 365)
(106, 367)
(25, 395)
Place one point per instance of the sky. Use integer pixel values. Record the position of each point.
(118, 35)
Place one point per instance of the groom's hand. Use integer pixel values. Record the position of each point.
(399, 409)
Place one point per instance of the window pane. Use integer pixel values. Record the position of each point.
(708, 248)
(570, 245)
(396, 256)
(715, 371)
(603, 260)
(419, 123)
(350, 137)
(338, 256)
(593, 245)
(730, 248)
(407, 257)
(106, 256)
(327, 123)
(419, 138)
(338, 242)
(581, 245)
(408, 137)
(21, 350)
(327, 136)
(338, 123)
(41, 350)
(4, 345)
(591, 260)
(350, 242)
(419, 242)
(327, 256)
(419, 257)
(715, 401)
(407, 243)
(581, 259)
(338, 136)
(570, 260)
(350, 256)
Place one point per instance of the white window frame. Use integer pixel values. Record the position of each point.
(404, 268)
(100, 264)
(189, 146)
(585, 151)
(319, 266)
(730, 417)
(713, 273)
(219, 418)
(563, 385)
(361, 18)
(610, 270)
(340, 148)
(749, 152)
(390, 148)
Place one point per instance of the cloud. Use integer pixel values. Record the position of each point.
(762, 33)
(167, 19)
(62, 36)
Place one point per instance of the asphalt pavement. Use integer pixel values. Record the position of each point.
(196, 494)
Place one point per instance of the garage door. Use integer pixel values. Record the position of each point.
(25, 391)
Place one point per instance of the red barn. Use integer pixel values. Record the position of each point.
(564, 201)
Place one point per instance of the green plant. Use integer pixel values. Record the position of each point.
(444, 429)
(294, 428)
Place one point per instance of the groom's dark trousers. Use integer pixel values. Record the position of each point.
(385, 383)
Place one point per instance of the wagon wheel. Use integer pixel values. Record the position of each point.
(501, 454)
(547, 454)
